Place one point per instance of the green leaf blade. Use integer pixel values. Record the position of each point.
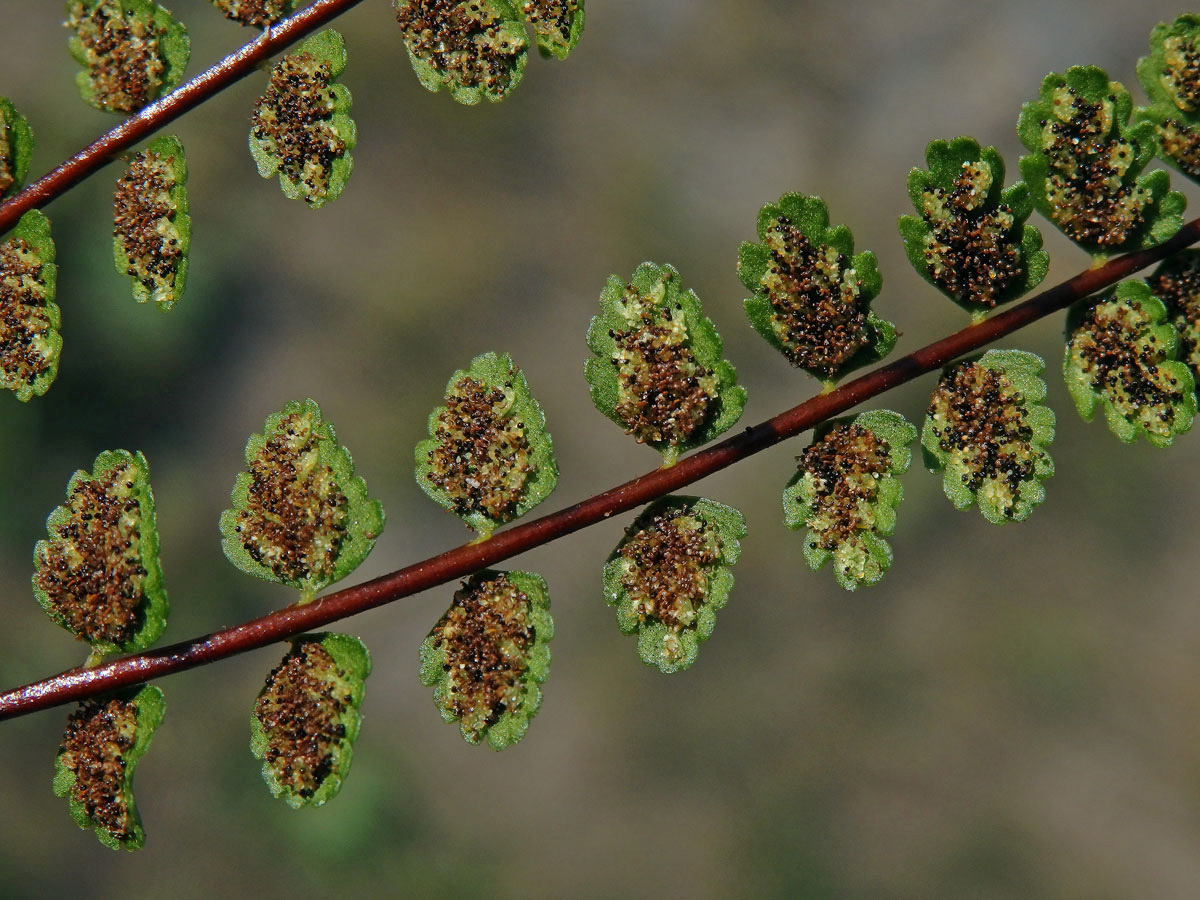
(1178, 139)
(1122, 356)
(299, 516)
(670, 574)
(1170, 76)
(557, 24)
(307, 718)
(257, 13)
(30, 342)
(152, 231)
(969, 238)
(301, 129)
(1176, 282)
(99, 575)
(845, 494)
(488, 458)
(95, 765)
(812, 293)
(476, 50)
(657, 369)
(1085, 163)
(985, 432)
(132, 51)
(16, 148)
(487, 657)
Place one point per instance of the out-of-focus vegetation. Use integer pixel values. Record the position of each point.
(1012, 712)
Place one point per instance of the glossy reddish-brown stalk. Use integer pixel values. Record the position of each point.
(77, 684)
(108, 146)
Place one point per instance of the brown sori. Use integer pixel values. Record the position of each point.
(1126, 367)
(969, 253)
(551, 18)
(1181, 72)
(1177, 284)
(486, 636)
(664, 392)
(302, 711)
(91, 570)
(1182, 144)
(669, 561)
(147, 225)
(126, 67)
(295, 518)
(463, 38)
(260, 13)
(99, 735)
(1086, 190)
(27, 321)
(980, 419)
(293, 117)
(481, 458)
(818, 316)
(845, 467)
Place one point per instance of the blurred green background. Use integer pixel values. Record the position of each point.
(1013, 712)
